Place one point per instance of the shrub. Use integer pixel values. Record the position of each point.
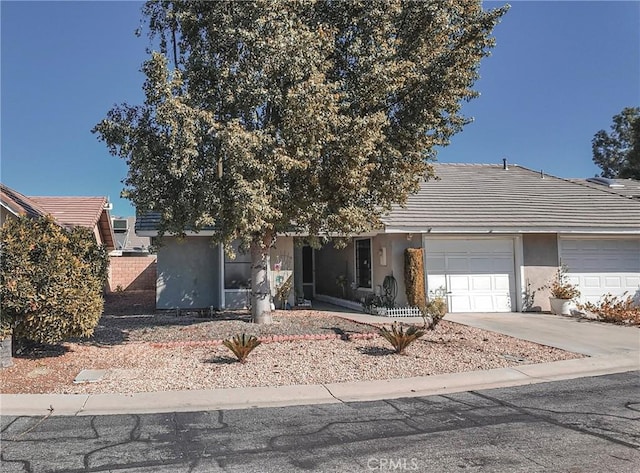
(414, 277)
(434, 311)
(614, 309)
(51, 280)
(399, 337)
(560, 287)
(241, 346)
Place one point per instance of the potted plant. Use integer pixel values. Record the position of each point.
(562, 292)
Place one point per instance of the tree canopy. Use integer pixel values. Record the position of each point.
(618, 153)
(321, 114)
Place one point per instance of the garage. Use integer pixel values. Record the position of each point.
(601, 266)
(477, 275)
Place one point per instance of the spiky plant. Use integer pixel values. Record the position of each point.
(400, 337)
(241, 345)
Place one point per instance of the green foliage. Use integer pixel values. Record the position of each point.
(242, 345)
(400, 337)
(51, 280)
(414, 277)
(560, 287)
(323, 114)
(610, 308)
(618, 153)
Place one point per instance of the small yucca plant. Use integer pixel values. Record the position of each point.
(241, 345)
(401, 338)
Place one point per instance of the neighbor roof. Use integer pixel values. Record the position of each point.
(625, 187)
(487, 198)
(20, 204)
(80, 212)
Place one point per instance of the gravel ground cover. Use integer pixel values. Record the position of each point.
(143, 350)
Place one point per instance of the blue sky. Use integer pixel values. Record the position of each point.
(558, 74)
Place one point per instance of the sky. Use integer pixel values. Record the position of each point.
(559, 72)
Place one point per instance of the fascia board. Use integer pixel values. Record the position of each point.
(492, 230)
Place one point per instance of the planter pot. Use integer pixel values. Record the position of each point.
(6, 353)
(560, 306)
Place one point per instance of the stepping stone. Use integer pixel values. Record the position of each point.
(89, 376)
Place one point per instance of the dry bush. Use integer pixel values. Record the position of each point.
(621, 310)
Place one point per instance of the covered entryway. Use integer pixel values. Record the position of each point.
(601, 266)
(477, 275)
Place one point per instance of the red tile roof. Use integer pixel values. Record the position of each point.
(80, 212)
(68, 212)
(20, 204)
(73, 211)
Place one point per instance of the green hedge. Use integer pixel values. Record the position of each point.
(51, 280)
(414, 277)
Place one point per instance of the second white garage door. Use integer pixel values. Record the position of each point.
(600, 266)
(477, 275)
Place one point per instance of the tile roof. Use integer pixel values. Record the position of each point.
(625, 187)
(87, 212)
(73, 211)
(486, 198)
(20, 204)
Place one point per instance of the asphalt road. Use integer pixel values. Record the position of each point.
(587, 424)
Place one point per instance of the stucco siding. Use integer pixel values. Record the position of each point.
(540, 261)
(188, 274)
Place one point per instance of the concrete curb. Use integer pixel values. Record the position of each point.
(280, 396)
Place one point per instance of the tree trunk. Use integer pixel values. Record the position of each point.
(260, 287)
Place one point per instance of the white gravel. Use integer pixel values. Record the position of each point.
(145, 367)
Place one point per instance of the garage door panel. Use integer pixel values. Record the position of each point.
(483, 303)
(436, 262)
(436, 282)
(613, 282)
(502, 303)
(478, 275)
(461, 303)
(503, 264)
(459, 283)
(601, 266)
(502, 282)
(587, 281)
(481, 283)
(457, 264)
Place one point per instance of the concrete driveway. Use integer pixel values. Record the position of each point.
(573, 334)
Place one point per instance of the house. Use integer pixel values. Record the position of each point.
(127, 243)
(132, 264)
(88, 212)
(492, 236)
(67, 212)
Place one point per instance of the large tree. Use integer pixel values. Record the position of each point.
(318, 114)
(618, 153)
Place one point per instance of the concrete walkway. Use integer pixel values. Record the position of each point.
(610, 349)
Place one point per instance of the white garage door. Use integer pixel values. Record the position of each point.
(477, 275)
(599, 267)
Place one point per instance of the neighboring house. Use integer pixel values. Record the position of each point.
(133, 266)
(88, 212)
(127, 243)
(492, 236)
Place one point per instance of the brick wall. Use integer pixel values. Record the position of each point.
(132, 273)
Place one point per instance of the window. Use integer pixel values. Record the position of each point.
(237, 272)
(363, 263)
